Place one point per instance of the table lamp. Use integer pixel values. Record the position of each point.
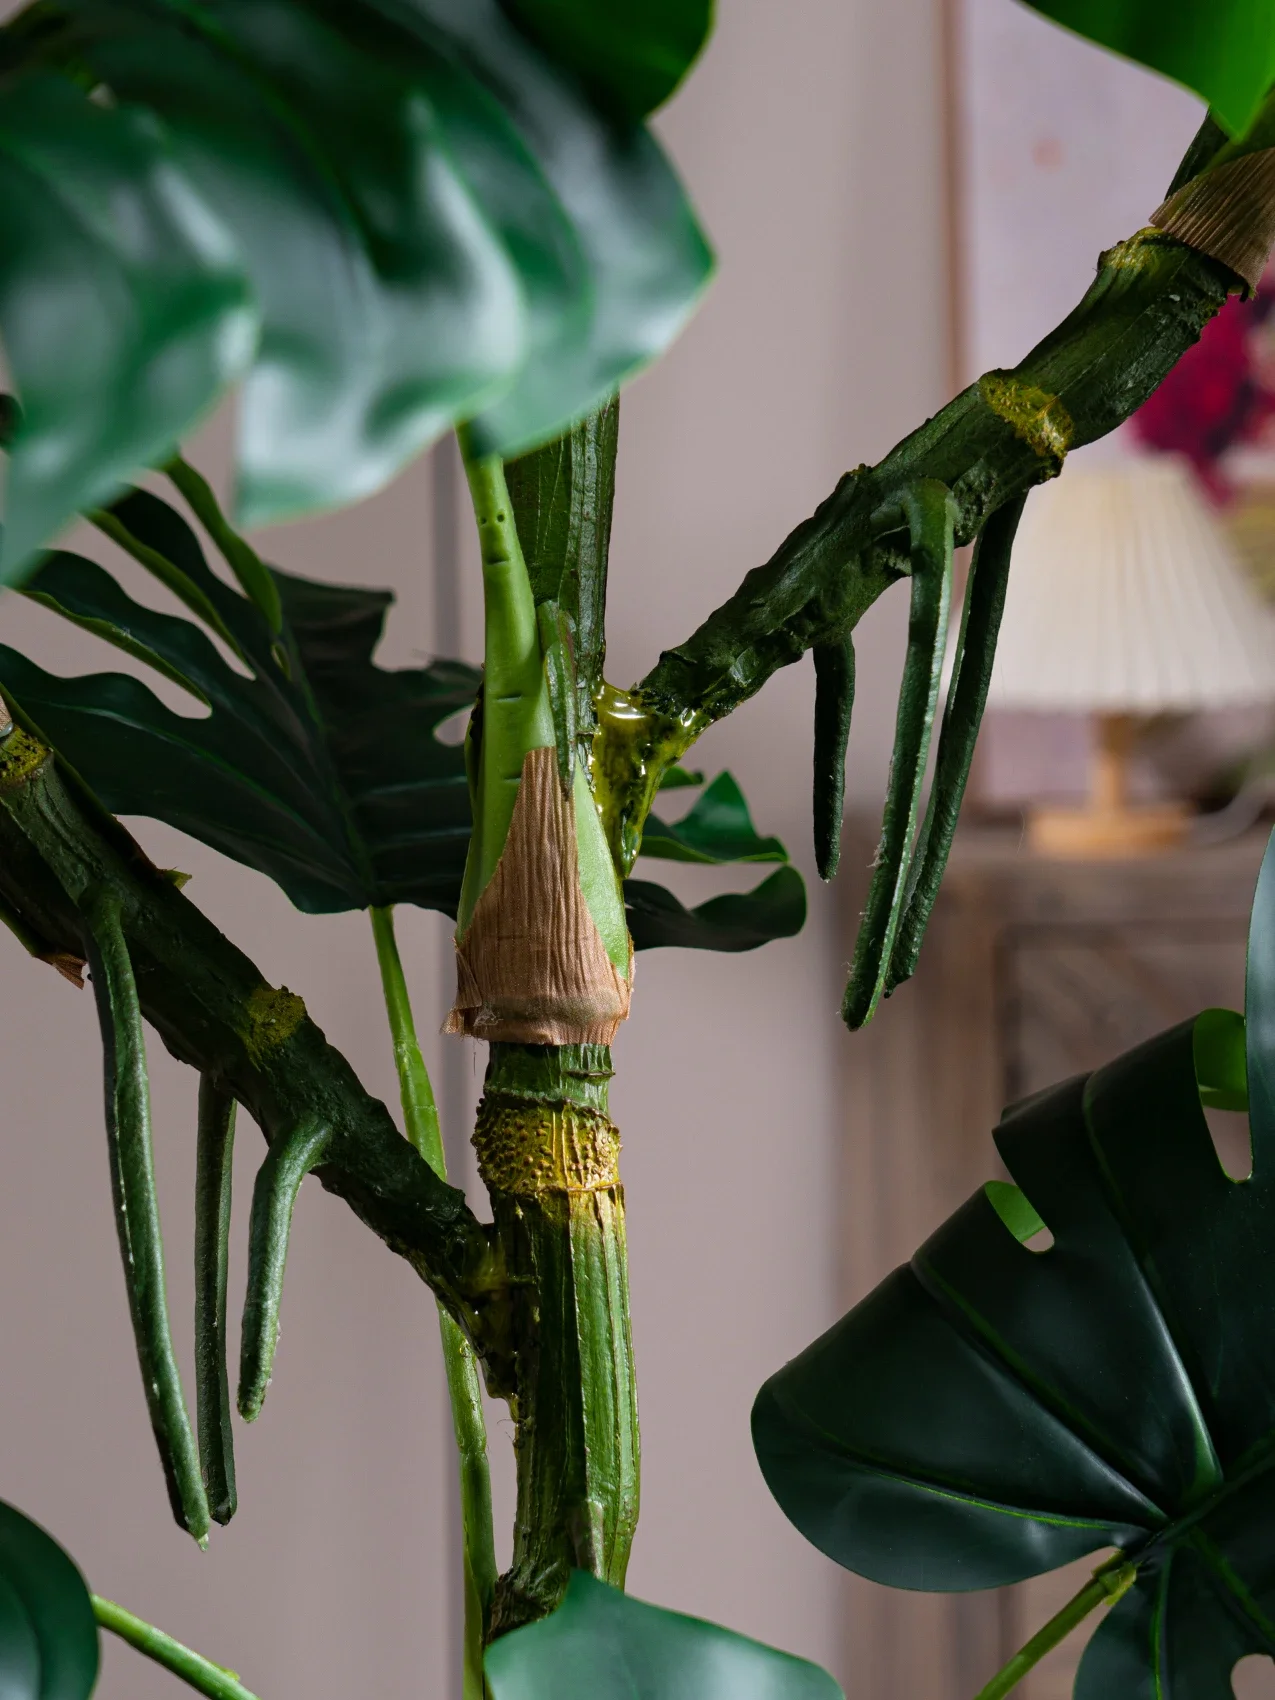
(1125, 601)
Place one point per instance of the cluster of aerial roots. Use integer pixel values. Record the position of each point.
(909, 864)
(200, 1477)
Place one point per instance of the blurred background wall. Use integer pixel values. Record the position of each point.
(812, 139)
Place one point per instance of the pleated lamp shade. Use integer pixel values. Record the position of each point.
(1126, 597)
(1126, 600)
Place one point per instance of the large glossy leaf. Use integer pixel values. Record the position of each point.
(992, 1411)
(436, 221)
(313, 765)
(123, 306)
(631, 53)
(1223, 49)
(602, 1645)
(48, 1636)
(644, 260)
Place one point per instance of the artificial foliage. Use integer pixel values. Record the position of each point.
(308, 762)
(48, 1638)
(993, 1410)
(382, 219)
(381, 216)
(601, 1644)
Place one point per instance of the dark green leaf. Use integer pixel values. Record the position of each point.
(776, 909)
(631, 54)
(990, 1412)
(48, 1636)
(1223, 49)
(438, 225)
(644, 258)
(680, 778)
(717, 829)
(602, 1645)
(318, 768)
(122, 305)
(312, 764)
(388, 303)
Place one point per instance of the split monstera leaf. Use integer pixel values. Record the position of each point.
(307, 761)
(382, 216)
(991, 1411)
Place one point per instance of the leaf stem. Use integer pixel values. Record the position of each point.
(420, 1116)
(194, 1668)
(1107, 1583)
(516, 712)
(420, 1110)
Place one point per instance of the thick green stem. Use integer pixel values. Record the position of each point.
(548, 1154)
(201, 1673)
(1107, 1584)
(420, 1117)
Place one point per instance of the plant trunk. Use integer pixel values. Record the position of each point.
(548, 1154)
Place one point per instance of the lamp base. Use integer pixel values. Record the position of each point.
(1096, 834)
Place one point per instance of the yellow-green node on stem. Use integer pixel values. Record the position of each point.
(1038, 419)
(21, 758)
(273, 1016)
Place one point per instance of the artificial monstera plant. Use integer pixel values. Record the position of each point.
(382, 220)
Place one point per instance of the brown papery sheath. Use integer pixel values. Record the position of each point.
(1228, 214)
(532, 968)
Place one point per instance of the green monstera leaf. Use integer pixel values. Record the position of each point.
(717, 828)
(602, 1645)
(744, 920)
(433, 218)
(1223, 49)
(312, 765)
(48, 1636)
(993, 1411)
(631, 53)
(123, 306)
(306, 760)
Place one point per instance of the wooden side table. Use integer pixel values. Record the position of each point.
(1032, 971)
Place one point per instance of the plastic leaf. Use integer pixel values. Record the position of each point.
(1223, 49)
(436, 222)
(123, 306)
(312, 764)
(776, 909)
(644, 259)
(48, 1636)
(316, 767)
(602, 1645)
(990, 1412)
(718, 828)
(631, 54)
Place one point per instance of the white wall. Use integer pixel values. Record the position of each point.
(811, 140)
